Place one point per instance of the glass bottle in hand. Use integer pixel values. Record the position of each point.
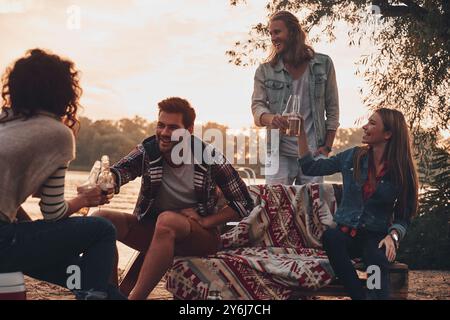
(293, 116)
(90, 184)
(106, 178)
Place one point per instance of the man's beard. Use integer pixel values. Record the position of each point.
(166, 145)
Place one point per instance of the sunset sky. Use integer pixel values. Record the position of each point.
(134, 53)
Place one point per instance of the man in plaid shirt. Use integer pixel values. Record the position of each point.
(176, 211)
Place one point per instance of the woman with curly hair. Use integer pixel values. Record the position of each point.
(41, 93)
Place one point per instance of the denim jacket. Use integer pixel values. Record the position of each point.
(375, 214)
(273, 85)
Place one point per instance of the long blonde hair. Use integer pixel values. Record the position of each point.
(297, 49)
(398, 153)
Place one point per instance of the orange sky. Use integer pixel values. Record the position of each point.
(135, 53)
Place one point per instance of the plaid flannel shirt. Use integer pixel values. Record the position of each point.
(146, 161)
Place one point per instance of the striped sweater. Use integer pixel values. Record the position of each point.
(52, 204)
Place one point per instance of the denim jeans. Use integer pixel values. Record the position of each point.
(44, 250)
(341, 248)
(290, 172)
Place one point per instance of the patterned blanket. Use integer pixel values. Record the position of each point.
(269, 254)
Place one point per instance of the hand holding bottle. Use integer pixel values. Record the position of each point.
(279, 122)
(99, 188)
(93, 197)
(89, 185)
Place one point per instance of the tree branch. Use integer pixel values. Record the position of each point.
(410, 8)
(414, 7)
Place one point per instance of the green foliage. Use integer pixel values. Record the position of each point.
(427, 245)
(115, 139)
(408, 69)
(118, 138)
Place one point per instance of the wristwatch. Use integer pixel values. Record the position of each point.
(394, 237)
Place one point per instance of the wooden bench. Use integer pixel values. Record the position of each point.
(398, 285)
(398, 279)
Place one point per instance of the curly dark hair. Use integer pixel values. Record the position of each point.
(42, 81)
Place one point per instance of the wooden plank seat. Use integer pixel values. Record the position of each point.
(398, 275)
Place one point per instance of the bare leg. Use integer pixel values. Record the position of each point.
(131, 275)
(172, 234)
(170, 227)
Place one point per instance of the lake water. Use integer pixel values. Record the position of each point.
(124, 201)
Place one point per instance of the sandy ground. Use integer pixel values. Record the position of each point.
(39, 290)
(423, 285)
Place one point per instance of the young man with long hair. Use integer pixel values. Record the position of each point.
(293, 68)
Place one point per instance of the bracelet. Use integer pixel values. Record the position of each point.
(395, 241)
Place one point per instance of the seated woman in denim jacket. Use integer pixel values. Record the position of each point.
(380, 191)
(41, 93)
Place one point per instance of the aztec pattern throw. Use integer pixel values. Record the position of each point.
(270, 253)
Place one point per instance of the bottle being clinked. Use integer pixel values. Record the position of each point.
(101, 176)
(292, 115)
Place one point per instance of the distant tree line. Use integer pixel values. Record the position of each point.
(113, 138)
(117, 138)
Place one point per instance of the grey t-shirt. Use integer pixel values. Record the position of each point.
(177, 188)
(288, 145)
